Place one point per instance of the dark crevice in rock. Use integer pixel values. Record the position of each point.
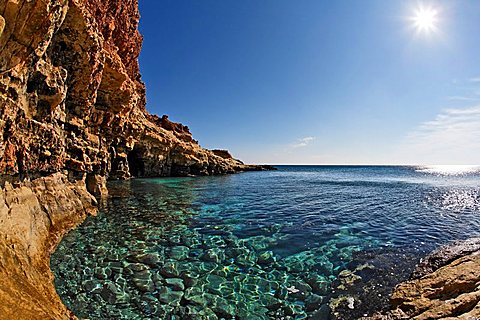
(136, 164)
(73, 113)
(37, 82)
(465, 307)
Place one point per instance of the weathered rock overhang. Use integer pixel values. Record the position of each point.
(72, 115)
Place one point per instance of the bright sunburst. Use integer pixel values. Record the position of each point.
(425, 19)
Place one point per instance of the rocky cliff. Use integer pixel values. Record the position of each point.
(72, 115)
(72, 99)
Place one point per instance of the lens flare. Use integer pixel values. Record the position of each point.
(425, 20)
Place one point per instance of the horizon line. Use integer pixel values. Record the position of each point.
(365, 165)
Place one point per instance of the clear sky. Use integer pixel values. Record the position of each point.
(318, 82)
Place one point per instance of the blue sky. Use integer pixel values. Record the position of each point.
(317, 82)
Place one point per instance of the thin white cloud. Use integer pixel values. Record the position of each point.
(452, 137)
(474, 79)
(302, 142)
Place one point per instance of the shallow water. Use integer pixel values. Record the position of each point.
(258, 245)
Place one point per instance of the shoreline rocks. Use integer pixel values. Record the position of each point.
(444, 285)
(72, 116)
(34, 216)
(445, 255)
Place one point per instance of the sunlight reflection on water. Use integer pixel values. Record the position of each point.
(449, 170)
(458, 200)
(241, 241)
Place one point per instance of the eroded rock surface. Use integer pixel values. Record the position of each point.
(71, 97)
(33, 218)
(445, 255)
(445, 285)
(72, 115)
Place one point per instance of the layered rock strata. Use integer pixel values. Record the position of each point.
(72, 99)
(445, 285)
(72, 115)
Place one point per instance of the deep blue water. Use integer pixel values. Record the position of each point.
(260, 245)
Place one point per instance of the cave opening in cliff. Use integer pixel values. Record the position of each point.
(136, 165)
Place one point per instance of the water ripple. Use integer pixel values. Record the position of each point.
(242, 245)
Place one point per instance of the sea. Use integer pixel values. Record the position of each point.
(300, 242)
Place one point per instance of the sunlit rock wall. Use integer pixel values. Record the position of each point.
(72, 115)
(71, 97)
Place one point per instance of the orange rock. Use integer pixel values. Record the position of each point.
(33, 218)
(441, 289)
(72, 102)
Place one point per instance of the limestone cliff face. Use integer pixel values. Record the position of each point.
(71, 97)
(72, 115)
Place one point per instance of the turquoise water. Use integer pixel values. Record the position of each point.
(261, 245)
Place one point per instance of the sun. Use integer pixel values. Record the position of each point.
(425, 19)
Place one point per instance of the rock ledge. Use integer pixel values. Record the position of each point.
(445, 285)
(72, 116)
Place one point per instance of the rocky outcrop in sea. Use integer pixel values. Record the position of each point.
(72, 116)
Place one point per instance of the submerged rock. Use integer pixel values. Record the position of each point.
(179, 252)
(143, 281)
(313, 302)
(175, 283)
(270, 302)
(168, 296)
(110, 292)
(72, 113)
(224, 308)
(151, 259)
(136, 267)
(266, 257)
(319, 284)
(321, 314)
(302, 286)
(169, 269)
(144, 285)
(143, 275)
(215, 255)
(92, 286)
(116, 266)
(195, 296)
(214, 283)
